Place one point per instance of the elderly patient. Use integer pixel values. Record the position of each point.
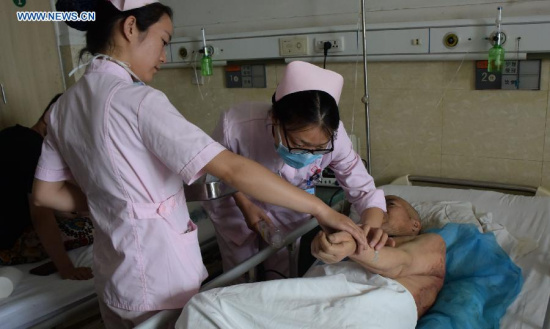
(417, 261)
(388, 288)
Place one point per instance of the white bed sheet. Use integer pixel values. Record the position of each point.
(37, 298)
(324, 298)
(524, 217)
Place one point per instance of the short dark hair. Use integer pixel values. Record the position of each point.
(54, 99)
(100, 32)
(301, 109)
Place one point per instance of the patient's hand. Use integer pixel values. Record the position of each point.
(76, 273)
(332, 248)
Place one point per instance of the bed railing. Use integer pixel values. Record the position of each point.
(166, 317)
(466, 183)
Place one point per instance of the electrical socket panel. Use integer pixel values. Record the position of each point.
(293, 46)
(337, 44)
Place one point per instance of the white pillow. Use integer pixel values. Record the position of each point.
(438, 214)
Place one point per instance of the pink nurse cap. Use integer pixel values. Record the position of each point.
(301, 76)
(124, 5)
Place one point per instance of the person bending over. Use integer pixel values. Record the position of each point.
(21, 148)
(296, 135)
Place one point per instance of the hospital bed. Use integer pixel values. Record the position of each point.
(525, 216)
(46, 301)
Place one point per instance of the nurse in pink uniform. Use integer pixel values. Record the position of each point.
(296, 137)
(129, 150)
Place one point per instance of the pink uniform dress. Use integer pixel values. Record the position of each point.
(247, 130)
(130, 151)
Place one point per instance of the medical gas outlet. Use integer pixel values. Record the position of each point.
(450, 40)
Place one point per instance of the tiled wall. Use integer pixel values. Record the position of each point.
(426, 118)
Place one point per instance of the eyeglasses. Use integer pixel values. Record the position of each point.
(298, 150)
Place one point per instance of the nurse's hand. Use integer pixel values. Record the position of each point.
(377, 238)
(254, 215)
(331, 221)
(332, 248)
(251, 212)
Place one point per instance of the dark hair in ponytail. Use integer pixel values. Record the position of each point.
(301, 109)
(99, 32)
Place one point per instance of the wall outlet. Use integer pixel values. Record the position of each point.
(293, 46)
(337, 44)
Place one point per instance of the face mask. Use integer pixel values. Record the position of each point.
(296, 161)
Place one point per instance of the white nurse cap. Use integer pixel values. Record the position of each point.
(124, 5)
(302, 76)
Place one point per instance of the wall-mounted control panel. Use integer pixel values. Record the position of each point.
(245, 76)
(516, 75)
(439, 40)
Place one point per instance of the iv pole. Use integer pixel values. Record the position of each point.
(365, 98)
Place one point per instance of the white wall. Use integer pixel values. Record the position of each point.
(223, 16)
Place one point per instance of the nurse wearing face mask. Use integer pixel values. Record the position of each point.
(296, 137)
(130, 151)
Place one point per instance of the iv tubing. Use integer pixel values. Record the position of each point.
(365, 98)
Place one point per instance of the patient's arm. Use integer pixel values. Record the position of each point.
(417, 263)
(46, 227)
(418, 256)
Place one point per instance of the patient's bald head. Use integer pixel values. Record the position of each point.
(401, 219)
